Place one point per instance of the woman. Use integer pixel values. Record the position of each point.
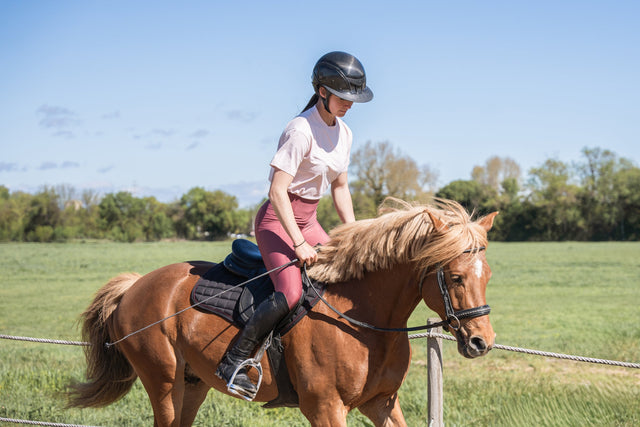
(312, 156)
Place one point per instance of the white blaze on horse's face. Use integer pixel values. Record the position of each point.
(477, 268)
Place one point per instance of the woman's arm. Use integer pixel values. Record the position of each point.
(282, 205)
(342, 198)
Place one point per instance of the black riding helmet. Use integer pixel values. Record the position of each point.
(342, 75)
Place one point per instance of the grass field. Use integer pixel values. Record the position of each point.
(575, 298)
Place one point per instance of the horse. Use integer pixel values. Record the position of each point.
(377, 271)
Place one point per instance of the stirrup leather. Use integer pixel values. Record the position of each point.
(253, 362)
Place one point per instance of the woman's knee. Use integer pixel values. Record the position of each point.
(293, 295)
(290, 285)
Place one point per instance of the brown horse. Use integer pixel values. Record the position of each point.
(378, 270)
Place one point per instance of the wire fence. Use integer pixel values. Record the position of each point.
(44, 340)
(537, 352)
(414, 336)
(429, 334)
(39, 423)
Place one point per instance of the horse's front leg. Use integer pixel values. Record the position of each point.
(384, 411)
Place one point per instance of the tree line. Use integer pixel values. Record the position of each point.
(596, 198)
(55, 214)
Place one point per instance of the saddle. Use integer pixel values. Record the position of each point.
(223, 292)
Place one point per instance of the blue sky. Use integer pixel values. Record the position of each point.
(157, 97)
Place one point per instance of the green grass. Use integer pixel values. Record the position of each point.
(575, 298)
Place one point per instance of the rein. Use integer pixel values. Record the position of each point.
(309, 283)
(453, 317)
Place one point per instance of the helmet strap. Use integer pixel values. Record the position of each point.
(325, 100)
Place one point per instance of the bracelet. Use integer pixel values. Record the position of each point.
(300, 244)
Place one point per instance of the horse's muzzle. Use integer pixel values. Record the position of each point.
(476, 346)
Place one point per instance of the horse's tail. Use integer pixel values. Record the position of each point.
(110, 375)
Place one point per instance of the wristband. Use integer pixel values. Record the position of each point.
(300, 244)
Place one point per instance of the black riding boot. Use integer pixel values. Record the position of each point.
(266, 317)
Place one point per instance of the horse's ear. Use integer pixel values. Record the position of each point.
(487, 221)
(437, 224)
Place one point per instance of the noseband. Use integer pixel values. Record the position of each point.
(453, 317)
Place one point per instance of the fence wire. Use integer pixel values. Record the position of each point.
(39, 423)
(429, 334)
(537, 352)
(44, 340)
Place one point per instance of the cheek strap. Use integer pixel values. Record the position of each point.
(325, 101)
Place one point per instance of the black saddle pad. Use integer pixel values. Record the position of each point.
(222, 292)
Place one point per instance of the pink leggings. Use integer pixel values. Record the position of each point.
(276, 246)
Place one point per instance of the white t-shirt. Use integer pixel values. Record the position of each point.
(313, 153)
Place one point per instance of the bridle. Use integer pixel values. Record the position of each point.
(453, 317)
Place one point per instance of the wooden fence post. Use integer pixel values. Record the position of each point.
(434, 365)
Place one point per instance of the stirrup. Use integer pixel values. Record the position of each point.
(250, 363)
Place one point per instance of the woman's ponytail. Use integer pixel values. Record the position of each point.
(313, 101)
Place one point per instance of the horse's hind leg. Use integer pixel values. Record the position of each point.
(166, 400)
(176, 398)
(165, 385)
(195, 391)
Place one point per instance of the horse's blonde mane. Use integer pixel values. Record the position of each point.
(401, 234)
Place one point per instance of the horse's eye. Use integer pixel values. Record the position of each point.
(457, 279)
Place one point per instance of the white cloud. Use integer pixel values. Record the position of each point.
(111, 115)
(163, 132)
(67, 164)
(200, 133)
(64, 134)
(56, 117)
(106, 169)
(48, 165)
(242, 116)
(9, 167)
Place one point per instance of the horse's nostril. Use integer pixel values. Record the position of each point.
(478, 344)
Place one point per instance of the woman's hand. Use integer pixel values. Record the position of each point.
(282, 205)
(306, 254)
